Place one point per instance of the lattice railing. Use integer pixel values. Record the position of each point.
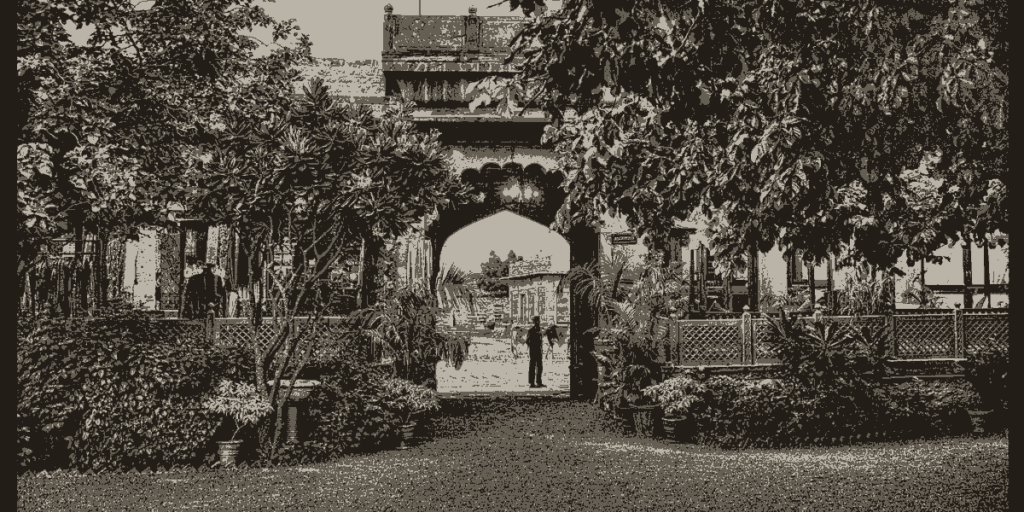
(985, 331)
(703, 342)
(184, 328)
(925, 336)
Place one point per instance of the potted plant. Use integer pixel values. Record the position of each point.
(630, 323)
(407, 400)
(674, 397)
(243, 404)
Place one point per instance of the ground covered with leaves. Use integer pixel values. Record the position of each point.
(548, 454)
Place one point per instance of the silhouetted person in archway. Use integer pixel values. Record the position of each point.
(535, 340)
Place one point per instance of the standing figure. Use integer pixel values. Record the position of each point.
(204, 290)
(535, 340)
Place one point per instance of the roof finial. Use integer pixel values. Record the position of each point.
(388, 9)
(472, 10)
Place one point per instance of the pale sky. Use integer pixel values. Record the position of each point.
(353, 30)
(501, 232)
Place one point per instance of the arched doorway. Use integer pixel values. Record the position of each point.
(534, 193)
(510, 268)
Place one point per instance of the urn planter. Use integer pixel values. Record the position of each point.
(300, 392)
(408, 435)
(645, 419)
(228, 451)
(673, 428)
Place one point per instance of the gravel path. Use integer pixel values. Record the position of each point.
(548, 455)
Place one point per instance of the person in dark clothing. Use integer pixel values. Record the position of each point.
(535, 341)
(203, 290)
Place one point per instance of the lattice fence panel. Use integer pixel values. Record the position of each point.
(241, 334)
(707, 342)
(764, 351)
(183, 328)
(924, 336)
(984, 331)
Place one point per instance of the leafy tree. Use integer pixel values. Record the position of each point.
(314, 182)
(493, 270)
(108, 133)
(780, 122)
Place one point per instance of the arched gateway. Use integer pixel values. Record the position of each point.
(431, 60)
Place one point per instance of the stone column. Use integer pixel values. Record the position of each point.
(146, 261)
(968, 297)
(583, 249)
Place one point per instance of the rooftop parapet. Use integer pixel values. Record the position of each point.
(448, 38)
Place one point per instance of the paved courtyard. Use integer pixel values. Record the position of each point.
(492, 367)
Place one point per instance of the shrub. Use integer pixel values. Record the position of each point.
(404, 398)
(728, 412)
(347, 412)
(822, 353)
(920, 408)
(115, 390)
(988, 372)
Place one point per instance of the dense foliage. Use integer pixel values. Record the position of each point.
(988, 372)
(358, 405)
(729, 412)
(108, 132)
(117, 390)
(321, 181)
(405, 325)
(822, 353)
(872, 130)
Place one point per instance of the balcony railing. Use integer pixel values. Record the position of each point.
(439, 36)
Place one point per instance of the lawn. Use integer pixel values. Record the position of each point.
(550, 454)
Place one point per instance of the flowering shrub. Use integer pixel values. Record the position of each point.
(240, 402)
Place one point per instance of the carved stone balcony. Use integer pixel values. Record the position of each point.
(471, 43)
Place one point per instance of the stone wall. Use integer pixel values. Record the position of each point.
(541, 298)
(530, 266)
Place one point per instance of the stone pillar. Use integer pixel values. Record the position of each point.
(829, 287)
(986, 284)
(753, 284)
(968, 297)
(810, 284)
(583, 250)
(147, 256)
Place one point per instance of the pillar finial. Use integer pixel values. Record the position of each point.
(472, 10)
(388, 9)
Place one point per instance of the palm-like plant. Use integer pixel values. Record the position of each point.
(404, 325)
(864, 292)
(628, 318)
(818, 353)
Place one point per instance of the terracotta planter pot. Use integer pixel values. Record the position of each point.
(673, 428)
(408, 433)
(645, 420)
(228, 450)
